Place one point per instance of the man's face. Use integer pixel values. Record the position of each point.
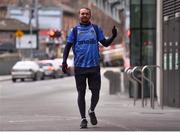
(84, 15)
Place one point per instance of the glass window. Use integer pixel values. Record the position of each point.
(135, 16)
(143, 47)
(149, 1)
(148, 47)
(134, 2)
(135, 48)
(149, 16)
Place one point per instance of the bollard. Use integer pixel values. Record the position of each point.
(114, 81)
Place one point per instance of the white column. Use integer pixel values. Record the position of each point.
(159, 53)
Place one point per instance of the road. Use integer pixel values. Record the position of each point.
(48, 105)
(51, 105)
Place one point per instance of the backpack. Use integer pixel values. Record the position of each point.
(74, 30)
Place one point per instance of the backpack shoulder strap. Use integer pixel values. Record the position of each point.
(74, 30)
(96, 30)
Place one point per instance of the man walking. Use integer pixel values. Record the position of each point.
(83, 39)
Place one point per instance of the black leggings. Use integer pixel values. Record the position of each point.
(94, 83)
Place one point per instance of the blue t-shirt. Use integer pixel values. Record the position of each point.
(86, 47)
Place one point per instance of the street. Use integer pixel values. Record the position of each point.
(43, 105)
(51, 105)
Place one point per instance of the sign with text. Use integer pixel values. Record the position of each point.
(27, 42)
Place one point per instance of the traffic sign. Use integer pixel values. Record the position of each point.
(19, 33)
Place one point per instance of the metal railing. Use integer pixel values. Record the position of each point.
(128, 72)
(140, 79)
(136, 78)
(152, 87)
(132, 77)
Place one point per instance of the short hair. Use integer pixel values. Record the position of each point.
(86, 9)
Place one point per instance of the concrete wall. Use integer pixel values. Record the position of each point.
(6, 63)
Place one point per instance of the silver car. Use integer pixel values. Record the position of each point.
(51, 68)
(70, 63)
(27, 70)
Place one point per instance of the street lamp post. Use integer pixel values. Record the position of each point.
(31, 33)
(33, 13)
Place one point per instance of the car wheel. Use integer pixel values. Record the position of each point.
(55, 75)
(35, 77)
(22, 79)
(61, 76)
(42, 78)
(14, 79)
(39, 76)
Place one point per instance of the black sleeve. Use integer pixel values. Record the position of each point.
(66, 52)
(107, 42)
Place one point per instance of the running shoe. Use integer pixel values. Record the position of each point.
(92, 116)
(83, 123)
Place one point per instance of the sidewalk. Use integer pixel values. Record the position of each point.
(120, 112)
(5, 77)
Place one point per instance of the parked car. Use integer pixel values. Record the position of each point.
(51, 68)
(70, 63)
(27, 70)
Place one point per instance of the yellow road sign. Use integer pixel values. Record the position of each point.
(19, 33)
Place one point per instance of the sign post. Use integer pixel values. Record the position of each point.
(19, 34)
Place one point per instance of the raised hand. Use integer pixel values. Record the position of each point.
(114, 32)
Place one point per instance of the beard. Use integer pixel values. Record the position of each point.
(84, 20)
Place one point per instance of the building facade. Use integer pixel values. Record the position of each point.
(171, 51)
(154, 40)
